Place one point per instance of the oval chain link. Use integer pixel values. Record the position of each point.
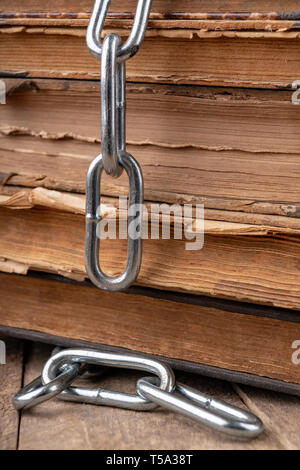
(93, 220)
(216, 414)
(114, 158)
(107, 397)
(37, 392)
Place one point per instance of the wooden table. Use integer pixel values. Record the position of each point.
(59, 425)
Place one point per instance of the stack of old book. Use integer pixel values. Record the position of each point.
(212, 118)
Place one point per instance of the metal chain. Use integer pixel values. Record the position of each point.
(114, 158)
(112, 106)
(63, 367)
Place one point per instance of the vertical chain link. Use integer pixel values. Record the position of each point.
(112, 109)
(114, 158)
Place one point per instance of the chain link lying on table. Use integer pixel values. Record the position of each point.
(65, 366)
(114, 158)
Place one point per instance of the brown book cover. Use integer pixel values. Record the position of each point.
(233, 341)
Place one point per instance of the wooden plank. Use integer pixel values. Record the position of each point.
(195, 333)
(77, 426)
(180, 56)
(10, 379)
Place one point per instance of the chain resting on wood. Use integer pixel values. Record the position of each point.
(161, 389)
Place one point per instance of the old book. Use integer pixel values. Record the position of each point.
(192, 47)
(211, 121)
(209, 15)
(233, 341)
(235, 150)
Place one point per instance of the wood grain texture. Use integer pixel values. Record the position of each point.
(179, 56)
(227, 143)
(10, 380)
(279, 413)
(77, 426)
(240, 342)
(164, 14)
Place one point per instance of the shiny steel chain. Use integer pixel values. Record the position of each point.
(65, 366)
(114, 158)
